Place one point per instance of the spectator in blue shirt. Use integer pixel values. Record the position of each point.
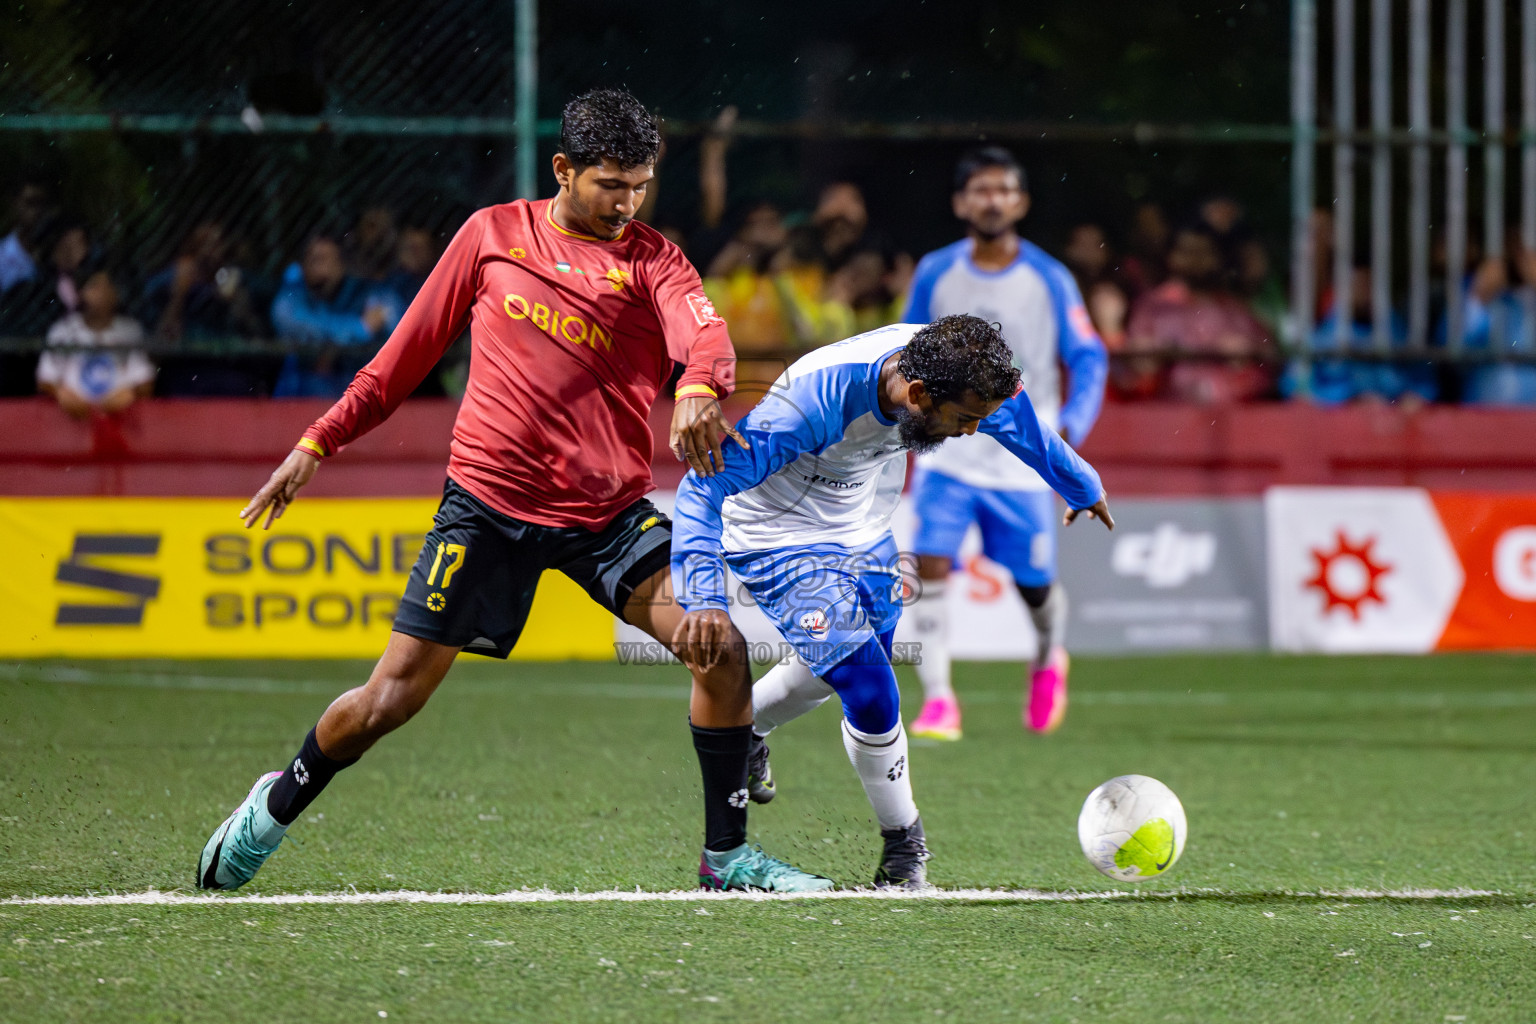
(415, 256)
(205, 297)
(1336, 381)
(19, 250)
(1500, 299)
(337, 320)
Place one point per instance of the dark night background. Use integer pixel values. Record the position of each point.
(816, 65)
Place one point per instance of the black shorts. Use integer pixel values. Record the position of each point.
(473, 584)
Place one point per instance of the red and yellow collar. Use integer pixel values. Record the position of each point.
(549, 215)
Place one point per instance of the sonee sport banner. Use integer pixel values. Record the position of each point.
(182, 577)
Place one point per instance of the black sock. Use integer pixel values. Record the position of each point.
(723, 761)
(302, 781)
(1034, 596)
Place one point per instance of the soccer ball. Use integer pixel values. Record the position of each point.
(1132, 828)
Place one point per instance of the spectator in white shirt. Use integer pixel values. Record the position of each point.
(93, 362)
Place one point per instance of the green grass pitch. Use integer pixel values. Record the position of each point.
(1360, 849)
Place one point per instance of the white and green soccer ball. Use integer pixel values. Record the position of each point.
(1132, 828)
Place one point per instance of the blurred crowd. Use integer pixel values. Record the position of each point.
(333, 306)
(1191, 309)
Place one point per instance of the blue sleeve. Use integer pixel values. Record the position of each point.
(1328, 379)
(1084, 354)
(1476, 320)
(1333, 381)
(393, 305)
(807, 415)
(1409, 378)
(1018, 428)
(920, 299)
(1420, 379)
(293, 316)
(1296, 379)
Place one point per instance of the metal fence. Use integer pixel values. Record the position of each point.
(157, 122)
(1432, 39)
(278, 120)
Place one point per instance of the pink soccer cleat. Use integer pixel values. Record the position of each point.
(939, 719)
(1048, 694)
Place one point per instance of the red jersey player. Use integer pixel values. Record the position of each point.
(576, 314)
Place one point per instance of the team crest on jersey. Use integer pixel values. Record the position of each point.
(704, 310)
(617, 278)
(815, 623)
(517, 253)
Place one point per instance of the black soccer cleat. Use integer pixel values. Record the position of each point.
(759, 773)
(903, 864)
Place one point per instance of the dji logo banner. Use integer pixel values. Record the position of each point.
(1166, 557)
(1177, 574)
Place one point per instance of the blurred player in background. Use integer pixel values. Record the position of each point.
(576, 314)
(994, 274)
(804, 520)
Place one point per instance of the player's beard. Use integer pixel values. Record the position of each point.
(913, 430)
(615, 224)
(991, 227)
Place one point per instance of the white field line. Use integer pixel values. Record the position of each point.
(156, 898)
(511, 685)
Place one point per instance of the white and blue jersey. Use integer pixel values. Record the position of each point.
(804, 514)
(1037, 305)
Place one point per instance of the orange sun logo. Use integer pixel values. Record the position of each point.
(1347, 575)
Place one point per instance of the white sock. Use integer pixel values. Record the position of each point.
(930, 620)
(1050, 621)
(786, 692)
(881, 761)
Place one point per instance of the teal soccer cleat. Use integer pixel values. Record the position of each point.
(239, 847)
(748, 868)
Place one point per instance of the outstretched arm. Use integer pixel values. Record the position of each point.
(1085, 357)
(438, 315)
(1018, 428)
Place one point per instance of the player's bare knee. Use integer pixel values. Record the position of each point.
(731, 677)
(393, 701)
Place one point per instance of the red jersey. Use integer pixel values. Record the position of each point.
(572, 337)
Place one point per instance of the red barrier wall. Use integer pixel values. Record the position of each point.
(228, 446)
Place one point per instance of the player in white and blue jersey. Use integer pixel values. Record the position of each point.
(994, 274)
(803, 519)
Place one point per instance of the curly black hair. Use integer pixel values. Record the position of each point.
(956, 354)
(609, 123)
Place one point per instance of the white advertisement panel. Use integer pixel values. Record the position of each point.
(1176, 574)
(1358, 569)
